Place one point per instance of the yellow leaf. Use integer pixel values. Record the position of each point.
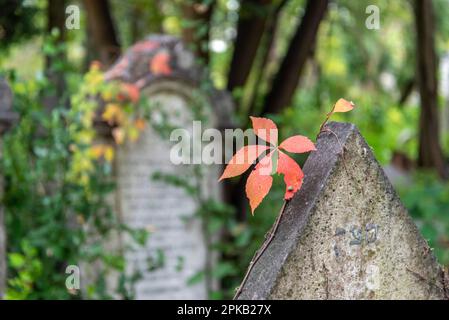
(97, 151)
(109, 153)
(133, 134)
(113, 114)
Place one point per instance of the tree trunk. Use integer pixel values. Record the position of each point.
(198, 16)
(55, 20)
(287, 78)
(430, 152)
(268, 43)
(102, 38)
(251, 25)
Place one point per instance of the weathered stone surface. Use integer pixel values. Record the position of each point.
(345, 234)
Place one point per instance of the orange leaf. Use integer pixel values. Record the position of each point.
(297, 144)
(160, 64)
(343, 105)
(293, 175)
(242, 160)
(140, 124)
(131, 92)
(257, 187)
(265, 129)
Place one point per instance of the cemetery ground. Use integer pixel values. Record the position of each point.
(218, 150)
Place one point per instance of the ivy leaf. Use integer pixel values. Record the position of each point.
(265, 129)
(160, 64)
(297, 144)
(257, 186)
(293, 175)
(242, 160)
(343, 105)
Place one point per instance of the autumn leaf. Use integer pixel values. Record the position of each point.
(113, 114)
(293, 175)
(257, 186)
(133, 134)
(265, 129)
(140, 124)
(242, 160)
(297, 144)
(343, 105)
(160, 64)
(119, 135)
(129, 91)
(95, 65)
(260, 179)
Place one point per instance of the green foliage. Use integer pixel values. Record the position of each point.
(427, 200)
(53, 220)
(18, 21)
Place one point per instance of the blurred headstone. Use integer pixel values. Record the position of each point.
(176, 255)
(345, 234)
(7, 117)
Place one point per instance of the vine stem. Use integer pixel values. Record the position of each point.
(264, 247)
(328, 116)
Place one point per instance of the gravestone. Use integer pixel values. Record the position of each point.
(176, 235)
(345, 234)
(7, 117)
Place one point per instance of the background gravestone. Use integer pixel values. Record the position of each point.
(345, 234)
(7, 117)
(167, 211)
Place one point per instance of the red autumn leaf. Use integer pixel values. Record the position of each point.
(130, 92)
(160, 64)
(242, 160)
(343, 105)
(293, 175)
(257, 186)
(297, 144)
(265, 129)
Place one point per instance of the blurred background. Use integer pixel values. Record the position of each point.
(289, 60)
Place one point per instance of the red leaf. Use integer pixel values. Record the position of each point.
(131, 92)
(242, 160)
(297, 144)
(160, 64)
(293, 175)
(257, 186)
(265, 129)
(343, 105)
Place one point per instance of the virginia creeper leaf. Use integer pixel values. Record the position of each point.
(297, 144)
(265, 129)
(293, 175)
(242, 160)
(257, 186)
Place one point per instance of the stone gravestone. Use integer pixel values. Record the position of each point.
(176, 236)
(7, 117)
(345, 234)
